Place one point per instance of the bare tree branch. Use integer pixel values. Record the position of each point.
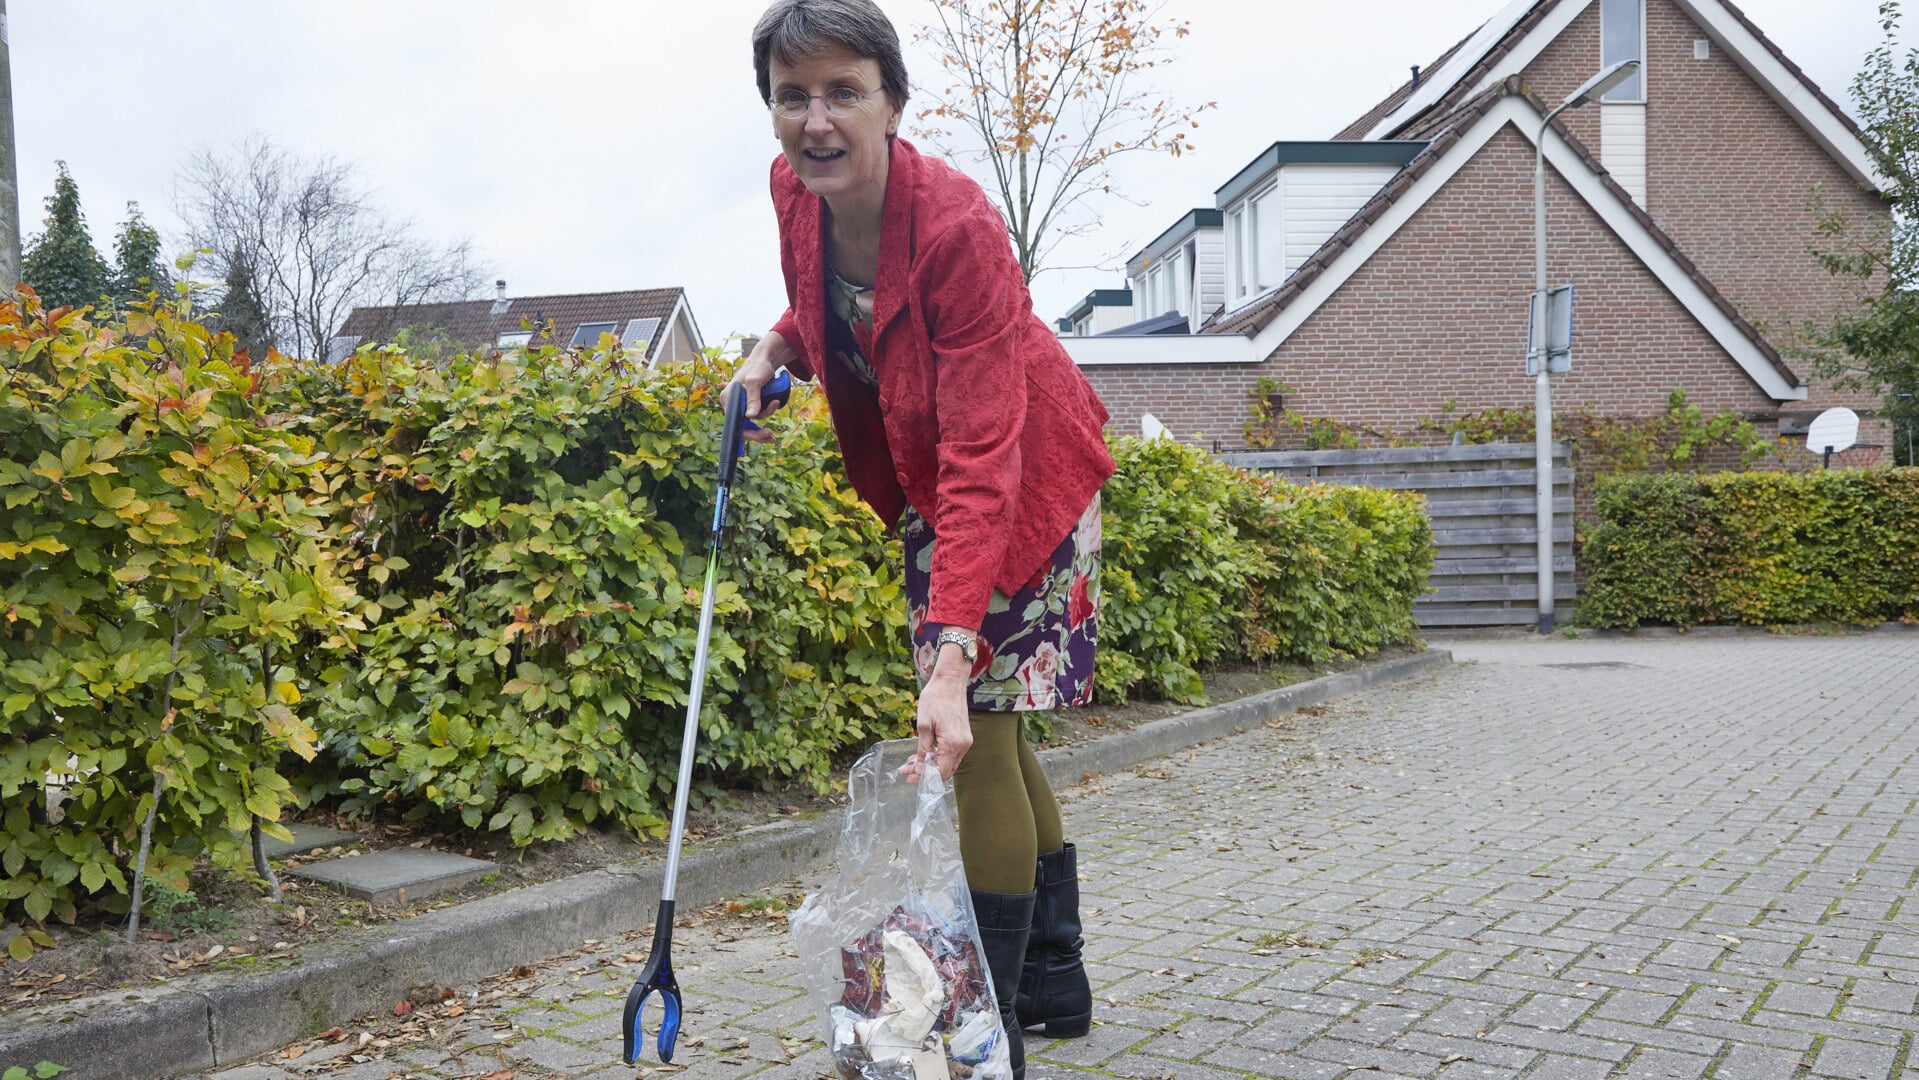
(305, 240)
(1047, 93)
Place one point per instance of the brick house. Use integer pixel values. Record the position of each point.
(657, 320)
(1385, 272)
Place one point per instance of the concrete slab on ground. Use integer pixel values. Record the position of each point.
(307, 838)
(396, 877)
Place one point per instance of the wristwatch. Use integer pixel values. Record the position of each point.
(968, 642)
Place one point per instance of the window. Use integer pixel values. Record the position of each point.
(1190, 279)
(515, 339)
(588, 334)
(639, 332)
(1177, 284)
(1622, 37)
(1256, 245)
(1269, 242)
(1236, 262)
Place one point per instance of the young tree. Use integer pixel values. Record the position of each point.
(1047, 93)
(241, 311)
(309, 238)
(61, 263)
(137, 251)
(1874, 345)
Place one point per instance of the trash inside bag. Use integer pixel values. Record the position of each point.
(890, 949)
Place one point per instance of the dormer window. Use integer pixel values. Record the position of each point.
(1255, 245)
(1622, 37)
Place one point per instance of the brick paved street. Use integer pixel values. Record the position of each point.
(1562, 859)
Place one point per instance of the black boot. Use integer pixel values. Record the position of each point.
(1004, 921)
(1053, 992)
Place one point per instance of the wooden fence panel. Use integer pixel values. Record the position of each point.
(1480, 502)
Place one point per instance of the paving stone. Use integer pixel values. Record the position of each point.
(1841, 1058)
(395, 877)
(1545, 861)
(1760, 1063)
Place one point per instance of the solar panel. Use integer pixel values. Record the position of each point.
(589, 333)
(639, 332)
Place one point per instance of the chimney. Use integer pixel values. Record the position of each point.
(500, 302)
(1415, 86)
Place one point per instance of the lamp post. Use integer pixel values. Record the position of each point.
(1593, 89)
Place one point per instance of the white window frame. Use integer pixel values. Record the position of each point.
(1237, 289)
(1269, 203)
(1621, 96)
(1190, 279)
(1178, 282)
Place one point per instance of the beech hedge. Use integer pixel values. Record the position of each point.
(1760, 549)
(468, 588)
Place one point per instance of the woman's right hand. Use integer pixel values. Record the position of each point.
(755, 371)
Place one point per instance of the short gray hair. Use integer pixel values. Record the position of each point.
(791, 29)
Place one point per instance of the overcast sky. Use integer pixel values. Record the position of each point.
(590, 145)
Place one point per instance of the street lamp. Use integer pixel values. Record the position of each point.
(1593, 89)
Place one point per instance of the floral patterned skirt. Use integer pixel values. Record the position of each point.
(1036, 646)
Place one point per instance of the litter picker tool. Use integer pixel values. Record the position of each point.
(657, 975)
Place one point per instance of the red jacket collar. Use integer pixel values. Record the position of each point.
(806, 221)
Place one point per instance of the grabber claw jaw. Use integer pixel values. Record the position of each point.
(657, 975)
(634, 1027)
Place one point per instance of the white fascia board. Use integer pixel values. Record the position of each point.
(1442, 81)
(1590, 187)
(1620, 219)
(1370, 241)
(1161, 349)
(1790, 91)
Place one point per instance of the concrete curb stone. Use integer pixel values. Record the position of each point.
(198, 1023)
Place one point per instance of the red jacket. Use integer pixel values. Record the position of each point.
(983, 422)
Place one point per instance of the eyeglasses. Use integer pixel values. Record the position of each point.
(841, 102)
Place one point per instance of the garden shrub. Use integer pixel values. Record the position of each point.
(163, 561)
(1754, 548)
(551, 517)
(468, 587)
(1204, 562)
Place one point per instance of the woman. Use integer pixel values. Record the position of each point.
(964, 424)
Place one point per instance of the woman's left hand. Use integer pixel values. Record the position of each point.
(945, 729)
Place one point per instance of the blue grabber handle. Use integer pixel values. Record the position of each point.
(779, 388)
(656, 975)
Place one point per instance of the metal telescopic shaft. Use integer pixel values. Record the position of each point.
(689, 739)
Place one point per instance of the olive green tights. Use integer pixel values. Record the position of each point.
(1007, 813)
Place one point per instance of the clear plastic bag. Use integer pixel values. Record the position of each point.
(891, 950)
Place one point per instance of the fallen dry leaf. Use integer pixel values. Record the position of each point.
(403, 1007)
